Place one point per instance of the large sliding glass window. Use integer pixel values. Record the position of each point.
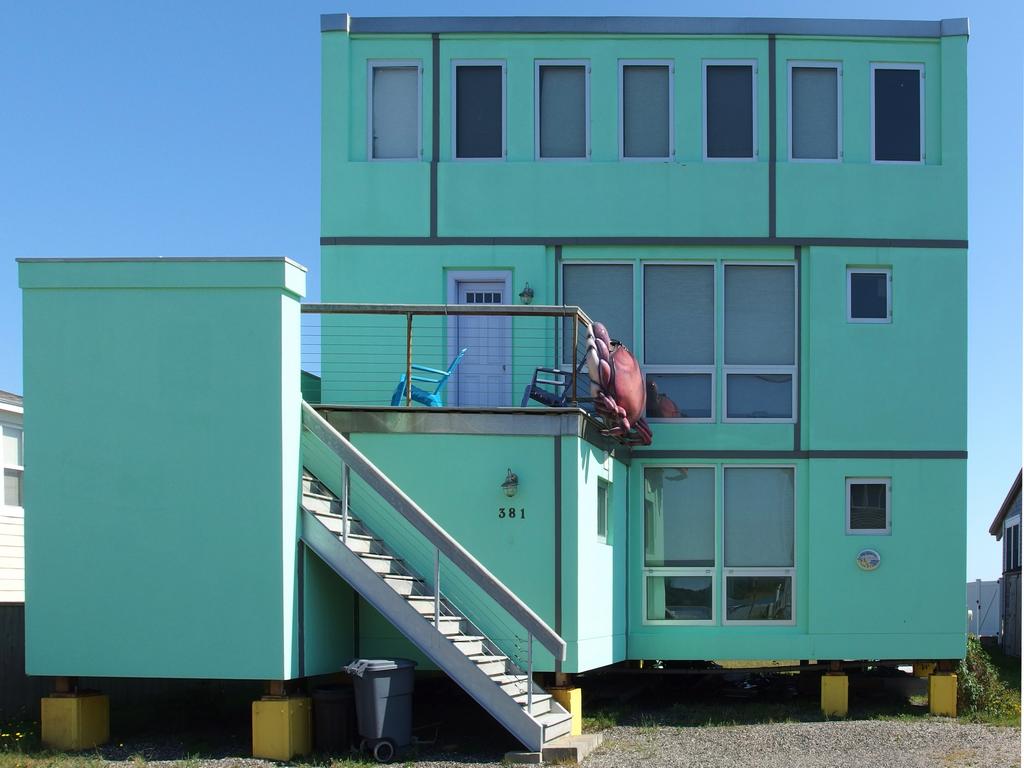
(679, 340)
(394, 111)
(645, 121)
(679, 544)
(605, 293)
(562, 110)
(479, 111)
(760, 342)
(759, 544)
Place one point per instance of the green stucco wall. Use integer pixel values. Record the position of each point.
(161, 527)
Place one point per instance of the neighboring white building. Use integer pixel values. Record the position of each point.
(983, 598)
(12, 513)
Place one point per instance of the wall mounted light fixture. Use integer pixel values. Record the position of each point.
(526, 295)
(511, 484)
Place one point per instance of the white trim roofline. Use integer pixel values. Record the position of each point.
(641, 25)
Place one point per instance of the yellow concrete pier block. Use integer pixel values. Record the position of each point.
(942, 694)
(75, 721)
(571, 700)
(282, 727)
(835, 694)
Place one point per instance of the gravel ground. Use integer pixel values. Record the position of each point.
(925, 743)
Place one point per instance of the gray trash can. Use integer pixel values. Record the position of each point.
(383, 689)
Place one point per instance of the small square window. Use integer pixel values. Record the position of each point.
(603, 494)
(869, 295)
(680, 598)
(868, 506)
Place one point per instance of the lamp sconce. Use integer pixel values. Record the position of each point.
(511, 484)
(526, 295)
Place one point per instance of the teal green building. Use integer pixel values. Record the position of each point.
(770, 213)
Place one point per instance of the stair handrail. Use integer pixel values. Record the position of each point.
(434, 533)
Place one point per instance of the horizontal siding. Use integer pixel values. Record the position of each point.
(12, 556)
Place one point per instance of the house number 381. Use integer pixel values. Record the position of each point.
(512, 513)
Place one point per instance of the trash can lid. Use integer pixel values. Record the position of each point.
(360, 666)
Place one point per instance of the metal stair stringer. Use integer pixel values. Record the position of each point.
(431, 642)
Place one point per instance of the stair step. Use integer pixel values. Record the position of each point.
(555, 724)
(403, 585)
(381, 563)
(471, 645)
(489, 664)
(541, 702)
(513, 685)
(360, 543)
(423, 603)
(317, 504)
(450, 625)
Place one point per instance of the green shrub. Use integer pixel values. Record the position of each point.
(981, 693)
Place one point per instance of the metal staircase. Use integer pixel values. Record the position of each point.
(382, 568)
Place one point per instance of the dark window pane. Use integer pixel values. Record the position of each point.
(759, 598)
(645, 113)
(478, 111)
(759, 396)
(868, 507)
(563, 111)
(679, 598)
(868, 295)
(730, 110)
(815, 113)
(679, 395)
(897, 114)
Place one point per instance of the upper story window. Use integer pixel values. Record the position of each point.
(730, 110)
(815, 111)
(479, 110)
(645, 110)
(760, 342)
(869, 295)
(605, 292)
(562, 110)
(394, 111)
(1011, 545)
(14, 470)
(897, 113)
(680, 367)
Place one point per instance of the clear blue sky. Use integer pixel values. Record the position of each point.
(192, 128)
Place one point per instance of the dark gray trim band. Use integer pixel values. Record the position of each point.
(852, 242)
(772, 134)
(659, 454)
(640, 25)
(558, 542)
(435, 122)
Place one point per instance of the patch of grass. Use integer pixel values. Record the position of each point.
(987, 693)
(19, 734)
(49, 760)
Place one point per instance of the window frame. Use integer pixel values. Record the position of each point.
(740, 571)
(374, 64)
(887, 482)
(1011, 544)
(538, 63)
(712, 571)
(850, 271)
(876, 65)
(18, 468)
(454, 96)
(568, 366)
(817, 64)
(668, 368)
(755, 147)
(736, 368)
(604, 488)
(671, 64)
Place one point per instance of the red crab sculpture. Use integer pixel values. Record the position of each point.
(617, 386)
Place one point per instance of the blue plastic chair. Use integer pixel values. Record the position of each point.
(431, 399)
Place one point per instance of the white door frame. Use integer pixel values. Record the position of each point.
(453, 278)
